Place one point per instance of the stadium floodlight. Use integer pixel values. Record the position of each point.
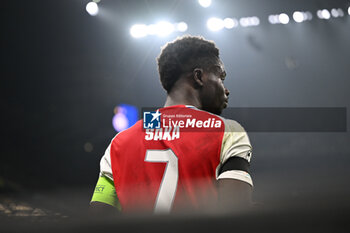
(152, 29)
(325, 14)
(182, 27)
(254, 21)
(299, 16)
(92, 8)
(244, 22)
(340, 12)
(230, 23)
(249, 21)
(138, 30)
(215, 24)
(349, 10)
(273, 19)
(308, 15)
(164, 28)
(335, 13)
(204, 3)
(283, 18)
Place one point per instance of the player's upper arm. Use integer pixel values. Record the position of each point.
(234, 181)
(105, 164)
(236, 152)
(105, 191)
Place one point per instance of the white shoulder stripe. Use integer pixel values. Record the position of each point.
(105, 164)
(237, 175)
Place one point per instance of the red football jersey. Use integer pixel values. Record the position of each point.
(172, 167)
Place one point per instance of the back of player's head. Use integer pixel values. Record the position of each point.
(183, 55)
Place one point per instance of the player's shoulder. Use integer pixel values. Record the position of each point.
(229, 123)
(232, 125)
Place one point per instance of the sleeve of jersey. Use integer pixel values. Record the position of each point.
(235, 155)
(105, 191)
(105, 164)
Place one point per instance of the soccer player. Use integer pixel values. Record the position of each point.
(183, 156)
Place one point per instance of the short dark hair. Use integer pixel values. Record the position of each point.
(183, 55)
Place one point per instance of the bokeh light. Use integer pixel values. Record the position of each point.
(204, 3)
(92, 8)
(215, 24)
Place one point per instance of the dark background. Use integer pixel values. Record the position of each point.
(63, 72)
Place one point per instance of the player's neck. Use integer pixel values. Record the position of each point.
(183, 96)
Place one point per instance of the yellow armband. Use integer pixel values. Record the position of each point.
(105, 192)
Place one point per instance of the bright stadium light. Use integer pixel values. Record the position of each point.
(249, 21)
(325, 14)
(138, 30)
(92, 8)
(255, 21)
(230, 23)
(298, 16)
(273, 19)
(152, 29)
(164, 28)
(349, 10)
(204, 3)
(308, 15)
(335, 13)
(283, 18)
(182, 27)
(244, 22)
(215, 24)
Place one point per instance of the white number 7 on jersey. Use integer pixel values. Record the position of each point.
(167, 189)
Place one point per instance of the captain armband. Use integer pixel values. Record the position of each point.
(105, 192)
(235, 168)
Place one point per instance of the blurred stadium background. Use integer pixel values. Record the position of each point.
(64, 73)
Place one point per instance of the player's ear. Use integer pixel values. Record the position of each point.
(198, 76)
